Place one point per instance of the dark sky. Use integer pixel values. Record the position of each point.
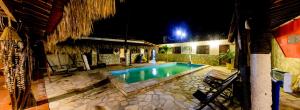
(150, 20)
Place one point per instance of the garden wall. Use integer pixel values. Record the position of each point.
(283, 63)
(109, 59)
(196, 58)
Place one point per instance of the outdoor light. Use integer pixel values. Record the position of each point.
(178, 32)
(181, 33)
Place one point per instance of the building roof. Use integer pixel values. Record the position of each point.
(279, 12)
(37, 16)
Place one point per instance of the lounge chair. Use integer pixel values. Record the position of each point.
(57, 68)
(66, 60)
(209, 98)
(215, 82)
(65, 67)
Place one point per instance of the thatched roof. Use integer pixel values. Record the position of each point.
(86, 44)
(56, 19)
(78, 18)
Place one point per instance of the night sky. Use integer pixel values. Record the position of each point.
(150, 20)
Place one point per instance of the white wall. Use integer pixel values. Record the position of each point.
(213, 46)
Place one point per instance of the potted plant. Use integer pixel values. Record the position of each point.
(228, 57)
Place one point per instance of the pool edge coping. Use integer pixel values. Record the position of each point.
(158, 82)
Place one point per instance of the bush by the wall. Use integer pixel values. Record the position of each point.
(196, 58)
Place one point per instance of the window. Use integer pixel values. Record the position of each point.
(177, 50)
(203, 49)
(186, 50)
(223, 48)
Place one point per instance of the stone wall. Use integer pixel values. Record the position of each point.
(59, 59)
(279, 61)
(196, 58)
(109, 59)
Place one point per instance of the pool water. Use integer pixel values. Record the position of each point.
(154, 71)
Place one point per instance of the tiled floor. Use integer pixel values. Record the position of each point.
(4, 96)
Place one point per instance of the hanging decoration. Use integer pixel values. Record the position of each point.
(12, 56)
(78, 19)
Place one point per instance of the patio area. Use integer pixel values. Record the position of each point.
(176, 95)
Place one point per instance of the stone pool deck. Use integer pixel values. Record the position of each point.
(175, 95)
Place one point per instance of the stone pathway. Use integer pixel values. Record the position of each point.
(61, 85)
(176, 95)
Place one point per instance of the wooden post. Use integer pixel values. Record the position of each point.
(242, 52)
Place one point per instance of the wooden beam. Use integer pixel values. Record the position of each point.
(5, 5)
(43, 15)
(31, 23)
(56, 14)
(27, 10)
(37, 8)
(39, 3)
(31, 15)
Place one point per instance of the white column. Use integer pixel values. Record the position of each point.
(260, 79)
(127, 57)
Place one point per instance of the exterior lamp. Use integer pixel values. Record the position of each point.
(180, 33)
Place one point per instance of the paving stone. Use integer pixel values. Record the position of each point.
(114, 105)
(148, 98)
(66, 108)
(132, 107)
(150, 92)
(167, 97)
(148, 107)
(179, 97)
(169, 105)
(124, 103)
(180, 104)
(133, 102)
(176, 95)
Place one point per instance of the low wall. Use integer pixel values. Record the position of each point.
(196, 58)
(109, 59)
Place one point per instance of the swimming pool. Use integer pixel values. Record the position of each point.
(154, 71)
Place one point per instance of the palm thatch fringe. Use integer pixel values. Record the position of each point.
(77, 49)
(78, 19)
